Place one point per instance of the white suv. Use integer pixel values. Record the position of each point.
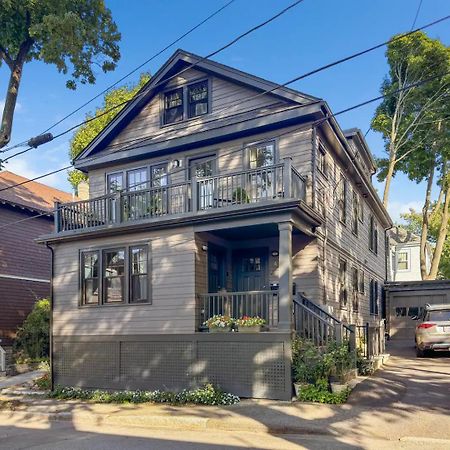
(433, 329)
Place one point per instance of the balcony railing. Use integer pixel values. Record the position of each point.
(238, 304)
(252, 186)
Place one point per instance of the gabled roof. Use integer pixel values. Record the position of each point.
(177, 62)
(358, 134)
(32, 195)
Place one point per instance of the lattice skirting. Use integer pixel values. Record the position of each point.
(249, 365)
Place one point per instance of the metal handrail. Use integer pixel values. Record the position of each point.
(240, 172)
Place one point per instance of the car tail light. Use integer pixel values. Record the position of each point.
(426, 325)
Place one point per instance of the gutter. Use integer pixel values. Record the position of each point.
(52, 384)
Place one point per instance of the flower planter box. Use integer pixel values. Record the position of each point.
(254, 329)
(337, 388)
(219, 330)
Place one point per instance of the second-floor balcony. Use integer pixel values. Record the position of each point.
(246, 187)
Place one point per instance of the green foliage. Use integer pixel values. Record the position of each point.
(72, 35)
(206, 395)
(408, 120)
(311, 363)
(320, 393)
(240, 196)
(32, 339)
(87, 132)
(43, 383)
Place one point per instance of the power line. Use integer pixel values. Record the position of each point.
(417, 14)
(359, 105)
(224, 47)
(252, 97)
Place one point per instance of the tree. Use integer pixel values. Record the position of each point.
(73, 35)
(404, 118)
(87, 132)
(32, 339)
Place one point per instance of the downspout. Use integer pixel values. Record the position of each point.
(51, 316)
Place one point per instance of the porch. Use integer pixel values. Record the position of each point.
(252, 271)
(200, 195)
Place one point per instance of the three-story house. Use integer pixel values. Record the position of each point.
(212, 192)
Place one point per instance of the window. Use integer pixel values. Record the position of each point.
(322, 160)
(186, 102)
(198, 99)
(89, 278)
(160, 175)
(342, 201)
(355, 289)
(361, 209)
(173, 106)
(402, 261)
(374, 297)
(115, 182)
(261, 155)
(124, 276)
(355, 212)
(343, 294)
(362, 282)
(373, 235)
(114, 276)
(137, 179)
(251, 264)
(202, 167)
(138, 274)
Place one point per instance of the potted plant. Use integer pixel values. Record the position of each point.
(308, 363)
(240, 196)
(249, 324)
(219, 324)
(342, 367)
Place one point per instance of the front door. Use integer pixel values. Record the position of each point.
(250, 270)
(216, 268)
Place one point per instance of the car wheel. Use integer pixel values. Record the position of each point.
(419, 352)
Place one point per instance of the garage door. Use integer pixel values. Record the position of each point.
(404, 307)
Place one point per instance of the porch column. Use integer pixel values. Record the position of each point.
(285, 274)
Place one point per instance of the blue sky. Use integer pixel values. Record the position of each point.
(310, 35)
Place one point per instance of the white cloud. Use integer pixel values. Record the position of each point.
(28, 169)
(396, 208)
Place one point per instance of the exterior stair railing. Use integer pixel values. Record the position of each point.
(312, 322)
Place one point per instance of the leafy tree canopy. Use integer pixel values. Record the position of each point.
(86, 133)
(76, 36)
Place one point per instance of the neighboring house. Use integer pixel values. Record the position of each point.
(404, 255)
(24, 264)
(208, 197)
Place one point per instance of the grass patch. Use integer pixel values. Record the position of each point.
(206, 395)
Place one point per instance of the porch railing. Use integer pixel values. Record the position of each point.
(237, 304)
(270, 183)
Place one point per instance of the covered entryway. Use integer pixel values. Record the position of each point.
(406, 300)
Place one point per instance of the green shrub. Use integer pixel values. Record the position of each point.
(43, 383)
(206, 395)
(32, 341)
(320, 393)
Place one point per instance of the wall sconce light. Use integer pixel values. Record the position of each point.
(275, 253)
(204, 247)
(176, 163)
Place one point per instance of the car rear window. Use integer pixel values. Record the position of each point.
(439, 315)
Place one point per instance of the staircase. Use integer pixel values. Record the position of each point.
(312, 322)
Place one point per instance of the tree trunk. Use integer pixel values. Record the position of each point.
(389, 176)
(10, 103)
(425, 220)
(443, 230)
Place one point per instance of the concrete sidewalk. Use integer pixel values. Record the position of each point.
(6, 382)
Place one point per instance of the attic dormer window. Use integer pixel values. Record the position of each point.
(173, 106)
(198, 99)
